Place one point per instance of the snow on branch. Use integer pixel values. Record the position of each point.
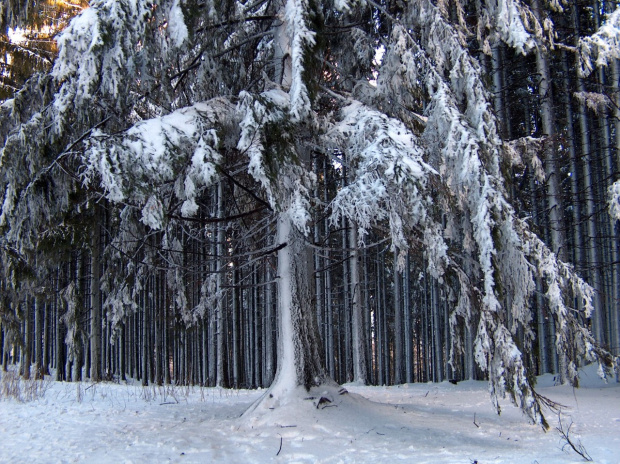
(177, 30)
(301, 38)
(102, 49)
(272, 154)
(511, 20)
(180, 147)
(602, 47)
(461, 139)
(573, 340)
(525, 150)
(614, 200)
(597, 102)
(388, 175)
(97, 50)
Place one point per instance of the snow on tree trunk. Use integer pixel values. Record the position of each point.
(298, 349)
(360, 374)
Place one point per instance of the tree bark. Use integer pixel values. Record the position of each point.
(299, 359)
(552, 171)
(95, 302)
(398, 324)
(220, 381)
(360, 374)
(38, 338)
(27, 351)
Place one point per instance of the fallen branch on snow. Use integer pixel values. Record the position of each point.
(565, 434)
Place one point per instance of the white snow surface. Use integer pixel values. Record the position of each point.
(414, 423)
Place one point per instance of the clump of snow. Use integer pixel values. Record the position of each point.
(597, 102)
(388, 175)
(177, 28)
(614, 200)
(153, 213)
(601, 47)
(301, 38)
(179, 146)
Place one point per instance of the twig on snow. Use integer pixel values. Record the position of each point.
(565, 434)
(279, 449)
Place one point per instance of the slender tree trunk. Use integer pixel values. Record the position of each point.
(437, 342)
(122, 344)
(235, 327)
(145, 339)
(157, 342)
(592, 237)
(46, 339)
(359, 352)
(380, 320)
(269, 367)
(5, 352)
(27, 352)
(578, 248)
(407, 323)
(95, 302)
(38, 338)
(398, 323)
(328, 328)
(220, 381)
(59, 360)
(345, 319)
(552, 171)
(385, 326)
(212, 360)
(368, 338)
(498, 88)
(609, 229)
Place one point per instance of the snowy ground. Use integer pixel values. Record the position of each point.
(416, 423)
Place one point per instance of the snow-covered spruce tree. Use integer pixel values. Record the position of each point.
(150, 104)
(44, 209)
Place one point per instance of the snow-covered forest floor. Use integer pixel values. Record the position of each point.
(415, 423)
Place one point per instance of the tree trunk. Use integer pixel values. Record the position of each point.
(212, 328)
(345, 318)
(552, 171)
(27, 352)
(329, 322)
(437, 342)
(5, 351)
(407, 323)
(220, 382)
(145, 338)
(299, 359)
(235, 328)
(46, 339)
(95, 302)
(578, 259)
(379, 321)
(592, 237)
(359, 352)
(615, 310)
(398, 324)
(38, 339)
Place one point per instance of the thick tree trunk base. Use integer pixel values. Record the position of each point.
(278, 405)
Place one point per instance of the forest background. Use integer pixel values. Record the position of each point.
(232, 193)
